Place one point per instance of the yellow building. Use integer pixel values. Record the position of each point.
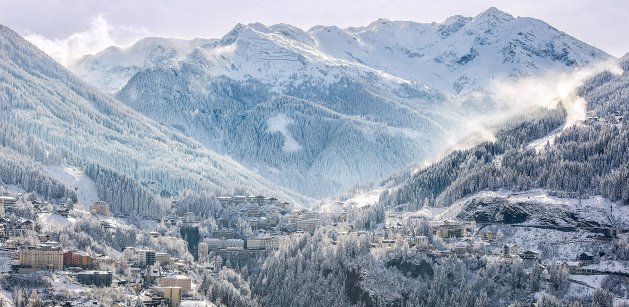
(173, 294)
(44, 256)
(181, 281)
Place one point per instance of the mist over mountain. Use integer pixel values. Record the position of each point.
(349, 106)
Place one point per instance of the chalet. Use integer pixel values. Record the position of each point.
(585, 258)
(26, 224)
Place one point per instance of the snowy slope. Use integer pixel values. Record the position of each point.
(268, 98)
(50, 115)
(110, 69)
(84, 187)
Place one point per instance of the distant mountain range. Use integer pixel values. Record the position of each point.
(323, 110)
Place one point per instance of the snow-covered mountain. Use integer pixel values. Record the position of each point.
(313, 123)
(110, 69)
(461, 53)
(52, 117)
(323, 110)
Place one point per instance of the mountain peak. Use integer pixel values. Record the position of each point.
(495, 14)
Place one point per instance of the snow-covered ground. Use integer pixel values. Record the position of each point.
(52, 221)
(540, 143)
(83, 185)
(280, 123)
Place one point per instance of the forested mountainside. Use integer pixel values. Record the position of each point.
(294, 105)
(589, 158)
(51, 117)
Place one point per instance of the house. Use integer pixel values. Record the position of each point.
(510, 250)
(418, 240)
(63, 211)
(572, 266)
(189, 217)
(204, 249)
(26, 224)
(218, 244)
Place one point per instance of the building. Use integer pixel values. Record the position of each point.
(487, 236)
(100, 208)
(171, 294)
(217, 244)
(308, 224)
(263, 243)
(163, 258)
(204, 249)
(96, 278)
(510, 249)
(182, 281)
(529, 255)
(44, 256)
(451, 229)
(148, 257)
(8, 201)
(76, 259)
(418, 240)
(460, 248)
(585, 258)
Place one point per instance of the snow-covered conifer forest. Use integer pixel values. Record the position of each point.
(477, 161)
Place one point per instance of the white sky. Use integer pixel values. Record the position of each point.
(69, 28)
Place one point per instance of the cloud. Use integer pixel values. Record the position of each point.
(549, 90)
(100, 35)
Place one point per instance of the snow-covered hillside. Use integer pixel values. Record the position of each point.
(268, 98)
(52, 117)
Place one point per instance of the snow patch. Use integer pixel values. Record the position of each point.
(84, 186)
(279, 123)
